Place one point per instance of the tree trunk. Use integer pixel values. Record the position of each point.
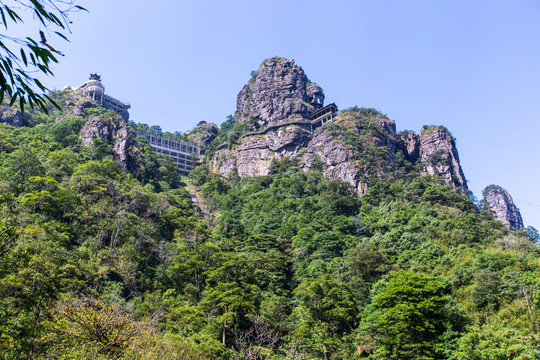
(224, 328)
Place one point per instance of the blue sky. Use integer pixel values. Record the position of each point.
(473, 66)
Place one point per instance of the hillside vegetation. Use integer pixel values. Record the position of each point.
(99, 260)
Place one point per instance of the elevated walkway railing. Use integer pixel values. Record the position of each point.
(323, 115)
(185, 156)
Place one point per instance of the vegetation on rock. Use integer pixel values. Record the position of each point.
(103, 261)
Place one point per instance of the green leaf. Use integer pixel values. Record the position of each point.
(23, 74)
(56, 20)
(39, 10)
(3, 17)
(13, 15)
(21, 104)
(53, 103)
(40, 17)
(23, 55)
(7, 67)
(13, 99)
(33, 58)
(39, 84)
(32, 99)
(32, 41)
(61, 35)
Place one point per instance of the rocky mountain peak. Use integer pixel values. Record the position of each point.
(279, 92)
(499, 201)
(273, 122)
(439, 156)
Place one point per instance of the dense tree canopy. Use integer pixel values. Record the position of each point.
(101, 262)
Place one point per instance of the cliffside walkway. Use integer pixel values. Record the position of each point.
(185, 156)
(320, 117)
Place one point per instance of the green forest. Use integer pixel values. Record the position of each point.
(103, 261)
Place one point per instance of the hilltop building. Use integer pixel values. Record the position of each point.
(185, 156)
(323, 115)
(94, 88)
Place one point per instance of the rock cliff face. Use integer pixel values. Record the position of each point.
(410, 143)
(275, 107)
(273, 122)
(253, 155)
(439, 156)
(279, 92)
(502, 206)
(81, 105)
(336, 160)
(11, 116)
(115, 132)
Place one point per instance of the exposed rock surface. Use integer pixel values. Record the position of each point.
(279, 92)
(275, 106)
(499, 201)
(254, 154)
(81, 105)
(336, 160)
(11, 116)
(273, 121)
(115, 132)
(410, 143)
(439, 156)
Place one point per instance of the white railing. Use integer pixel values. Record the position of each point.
(184, 155)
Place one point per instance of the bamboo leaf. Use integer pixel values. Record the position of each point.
(39, 84)
(13, 15)
(53, 103)
(21, 104)
(61, 35)
(13, 99)
(23, 55)
(56, 20)
(3, 17)
(33, 59)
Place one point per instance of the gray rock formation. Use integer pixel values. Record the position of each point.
(115, 132)
(275, 105)
(252, 157)
(279, 92)
(337, 160)
(273, 122)
(321, 150)
(439, 156)
(410, 144)
(81, 105)
(499, 201)
(11, 116)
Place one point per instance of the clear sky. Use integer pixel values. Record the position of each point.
(472, 66)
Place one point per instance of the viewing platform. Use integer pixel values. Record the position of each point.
(94, 88)
(323, 115)
(185, 156)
